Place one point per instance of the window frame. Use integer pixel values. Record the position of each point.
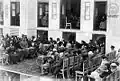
(14, 18)
(2, 12)
(44, 10)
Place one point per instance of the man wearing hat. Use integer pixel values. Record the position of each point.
(112, 48)
(114, 66)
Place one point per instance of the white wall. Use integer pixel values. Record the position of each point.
(86, 25)
(31, 18)
(54, 23)
(6, 29)
(83, 36)
(113, 25)
(23, 17)
(55, 34)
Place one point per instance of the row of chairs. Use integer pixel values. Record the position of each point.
(88, 65)
(70, 63)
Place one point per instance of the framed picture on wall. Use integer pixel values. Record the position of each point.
(87, 11)
(54, 10)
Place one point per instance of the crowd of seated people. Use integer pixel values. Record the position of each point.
(17, 48)
(60, 49)
(107, 67)
(54, 51)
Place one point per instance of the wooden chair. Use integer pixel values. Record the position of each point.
(88, 65)
(39, 62)
(64, 67)
(79, 74)
(3, 58)
(68, 24)
(76, 60)
(71, 64)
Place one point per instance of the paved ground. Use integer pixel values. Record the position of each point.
(28, 70)
(20, 77)
(28, 67)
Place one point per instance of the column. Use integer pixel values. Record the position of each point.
(23, 17)
(6, 17)
(32, 18)
(86, 25)
(54, 14)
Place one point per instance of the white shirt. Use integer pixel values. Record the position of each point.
(96, 76)
(103, 66)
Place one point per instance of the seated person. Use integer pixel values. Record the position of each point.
(84, 53)
(104, 61)
(14, 55)
(24, 43)
(95, 75)
(32, 50)
(102, 71)
(4, 54)
(114, 67)
(58, 65)
(106, 71)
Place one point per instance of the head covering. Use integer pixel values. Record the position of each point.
(112, 46)
(90, 53)
(113, 64)
(118, 50)
(54, 49)
(61, 54)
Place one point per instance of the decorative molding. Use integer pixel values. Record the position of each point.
(54, 10)
(87, 11)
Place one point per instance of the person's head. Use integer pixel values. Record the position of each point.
(61, 55)
(83, 42)
(58, 39)
(23, 39)
(112, 47)
(113, 66)
(2, 37)
(90, 53)
(51, 39)
(33, 44)
(33, 37)
(99, 71)
(40, 45)
(68, 45)
(118, 50)
(104, 58)
(7, 35)
(54, 50)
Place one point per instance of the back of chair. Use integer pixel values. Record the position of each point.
(71, 61)
(111, 56)
(98, 60)
(76, 60)
(86, 65)
(65, 63)
(80, 59)
(40, 60)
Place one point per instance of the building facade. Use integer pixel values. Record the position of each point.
(76, 19)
